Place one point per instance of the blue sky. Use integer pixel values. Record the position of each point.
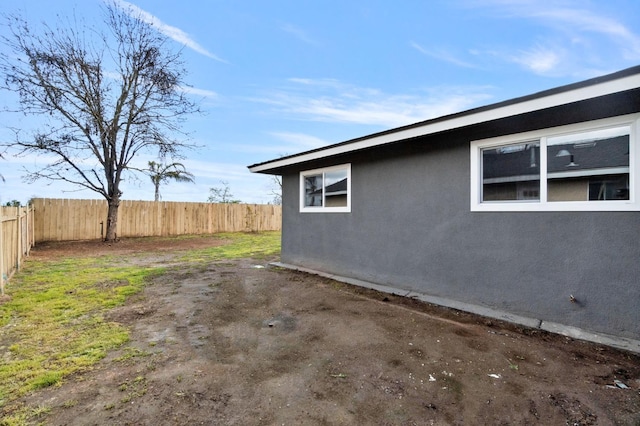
(283, 76)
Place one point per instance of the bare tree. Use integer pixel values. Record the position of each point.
(276, 189)
(162, 173)
(221, 194)
(107, 96)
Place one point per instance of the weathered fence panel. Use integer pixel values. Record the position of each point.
(16, 240)
(65, 219)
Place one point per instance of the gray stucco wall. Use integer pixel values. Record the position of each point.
(411, 228)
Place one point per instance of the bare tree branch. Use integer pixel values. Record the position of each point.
(105, 97)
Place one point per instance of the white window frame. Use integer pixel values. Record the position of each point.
(323, 208)
(632, 204)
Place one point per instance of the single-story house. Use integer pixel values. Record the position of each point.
(526, 210)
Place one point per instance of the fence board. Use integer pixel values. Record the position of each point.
(65, 219)
(16, 240)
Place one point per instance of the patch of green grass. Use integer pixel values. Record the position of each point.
(17, 418)
(54, 325)
(46, 379)
(239, 245)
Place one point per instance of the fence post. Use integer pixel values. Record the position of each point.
(1, 254)
(31, 228)
(19, 242)
(26, 228)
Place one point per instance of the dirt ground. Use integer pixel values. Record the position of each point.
(244, 343)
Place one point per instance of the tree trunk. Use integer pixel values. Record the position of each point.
(112, 220)
(157, 184)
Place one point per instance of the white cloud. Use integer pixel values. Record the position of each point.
(318, 82)
(172, 32)
(574, 20)
(200, 92)
(573, 37)
(539, 59)
(298, 33)
(442, 55)
(244, 185)
(300, 139)
(278, 144)
(214, 170)
(332, 101)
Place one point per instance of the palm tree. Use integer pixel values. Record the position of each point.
(161, 173)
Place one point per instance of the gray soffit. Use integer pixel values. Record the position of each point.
(620, 81)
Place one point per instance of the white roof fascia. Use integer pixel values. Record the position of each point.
(549, 101)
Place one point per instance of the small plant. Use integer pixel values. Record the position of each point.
(513, 365)
(40, 410)
(151, 365)
(135, 389)
(131, 353)
(70, 403)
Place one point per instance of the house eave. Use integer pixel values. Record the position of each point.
(601, 86)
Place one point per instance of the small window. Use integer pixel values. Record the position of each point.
(326, 190)
(577, 167)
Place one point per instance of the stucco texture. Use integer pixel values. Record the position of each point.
(411, 228)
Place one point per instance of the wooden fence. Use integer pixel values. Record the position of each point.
(16, 240)
(64, 219)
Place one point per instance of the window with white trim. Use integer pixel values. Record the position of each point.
(326, 190)
(583, 167)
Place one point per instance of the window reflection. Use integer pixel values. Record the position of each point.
(335, 189)
(313, 191)
(589, 166)
(511, 172)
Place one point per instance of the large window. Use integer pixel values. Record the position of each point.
(326, 190)
(580, 167)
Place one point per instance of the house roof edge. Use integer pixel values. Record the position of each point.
(599, 86)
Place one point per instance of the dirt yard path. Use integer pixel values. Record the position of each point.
(242, 343)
